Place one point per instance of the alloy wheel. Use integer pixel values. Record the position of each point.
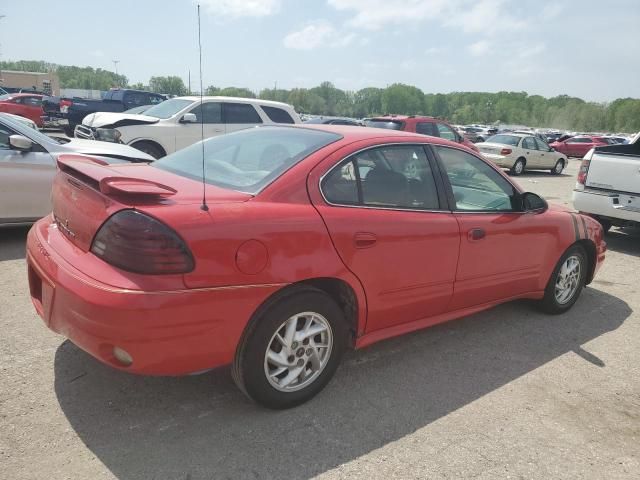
(568, 279)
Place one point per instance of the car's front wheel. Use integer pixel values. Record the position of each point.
(566, 282)
(558, 168)
(291, 350)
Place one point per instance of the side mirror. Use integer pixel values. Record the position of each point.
(189, 118)
(532, 202)
(18, 142)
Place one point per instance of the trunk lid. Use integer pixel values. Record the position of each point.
(87, 191)
(616, 167)
(496, 148)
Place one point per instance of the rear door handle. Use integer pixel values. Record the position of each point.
(364, 240)
(476, 234)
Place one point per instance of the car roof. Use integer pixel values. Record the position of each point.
(17, 95)
(402, 117)
(352, 133)
(235, 99)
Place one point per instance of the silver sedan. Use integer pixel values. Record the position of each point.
(28, 164)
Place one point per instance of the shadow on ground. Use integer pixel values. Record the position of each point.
(13, 243)
(624, 240)
(202, 427)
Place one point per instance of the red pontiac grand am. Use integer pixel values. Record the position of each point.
(312, 240)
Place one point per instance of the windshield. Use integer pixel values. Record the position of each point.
(246, 161)
(504, 139)
(34, 135)
(388, 124)
(168, 108)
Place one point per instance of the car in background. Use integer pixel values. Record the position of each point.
(28, 163)
(115, 100)
(578, 146)
(179, 122)
(23, 104)
(422, 125)
(478, 132)
(334, 121)
(522, 151)
(294, 258)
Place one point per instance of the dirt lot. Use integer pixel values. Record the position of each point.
(508, 393)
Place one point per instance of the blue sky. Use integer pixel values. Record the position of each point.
(581, 48)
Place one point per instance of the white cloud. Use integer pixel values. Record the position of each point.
(241, 8)
(374, 14)
(317, 34)
(487, 17)
(479, 48)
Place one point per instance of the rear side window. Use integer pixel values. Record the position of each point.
(277, 115)
(396, 176)
(240, 113)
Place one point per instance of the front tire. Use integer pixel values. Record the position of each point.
(518, 167)
(566, 282)
(292, 350)
(150, 148)
(558, 168)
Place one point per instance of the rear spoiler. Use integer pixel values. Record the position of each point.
(97, 174)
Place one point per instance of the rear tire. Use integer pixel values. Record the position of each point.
(518, 167)
(566, 282)
(150, 148)
(558, 168)
(281, 368)
(605, 224)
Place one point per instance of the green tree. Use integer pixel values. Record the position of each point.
(402, 99)
(171, 85)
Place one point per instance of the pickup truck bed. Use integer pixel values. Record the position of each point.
(608, 186)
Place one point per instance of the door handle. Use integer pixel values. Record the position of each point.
(476, 234)
(364, 240)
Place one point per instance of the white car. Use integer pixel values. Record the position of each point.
(178, 122)
(25, 121)
(28, 165)
(520, 151)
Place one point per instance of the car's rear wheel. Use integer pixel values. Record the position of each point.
(518, 167)
(292, 350)
(150, 148)
(566, 282)
(558, 168)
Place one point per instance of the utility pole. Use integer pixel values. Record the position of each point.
(115, 64)
(189, 81)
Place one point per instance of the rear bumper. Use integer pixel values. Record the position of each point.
(604, 204)
(165, 332)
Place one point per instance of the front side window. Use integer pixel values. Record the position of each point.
(542, 145)
(210, 112)
(395, 176)
(240, 113)
(476, 186)
(444, 131)
(427, 128)
(248, 160)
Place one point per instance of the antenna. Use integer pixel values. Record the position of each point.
(204, 206)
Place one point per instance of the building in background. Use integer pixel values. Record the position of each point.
(46, 82)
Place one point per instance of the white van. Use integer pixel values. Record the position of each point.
(178, 122)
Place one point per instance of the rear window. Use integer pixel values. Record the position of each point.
(504, 139)
(277, 115)
(248, 160)
(240, 113)
(388, 124)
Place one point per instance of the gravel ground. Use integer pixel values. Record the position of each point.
(508, 393)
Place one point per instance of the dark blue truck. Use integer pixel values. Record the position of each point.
(73, 110)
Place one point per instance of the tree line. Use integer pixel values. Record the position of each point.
(518, 108)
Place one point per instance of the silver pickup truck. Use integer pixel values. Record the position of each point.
(608, 186)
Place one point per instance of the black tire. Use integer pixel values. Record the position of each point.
(518, 167)
(248, 368)
(150, 148)
(606, 224)
(558, 168)
(550, 303)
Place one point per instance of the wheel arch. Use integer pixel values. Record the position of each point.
(592, 257)
(150, 141)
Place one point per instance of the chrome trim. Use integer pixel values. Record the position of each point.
(370, 147)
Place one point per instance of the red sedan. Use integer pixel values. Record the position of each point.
(300, 242)
(23, 104)
(578, 146)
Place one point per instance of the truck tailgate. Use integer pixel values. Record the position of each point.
(615, 171)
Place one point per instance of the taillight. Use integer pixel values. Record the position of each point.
(505, 151)
(584, 170)
(64, 105)
(138, 243)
